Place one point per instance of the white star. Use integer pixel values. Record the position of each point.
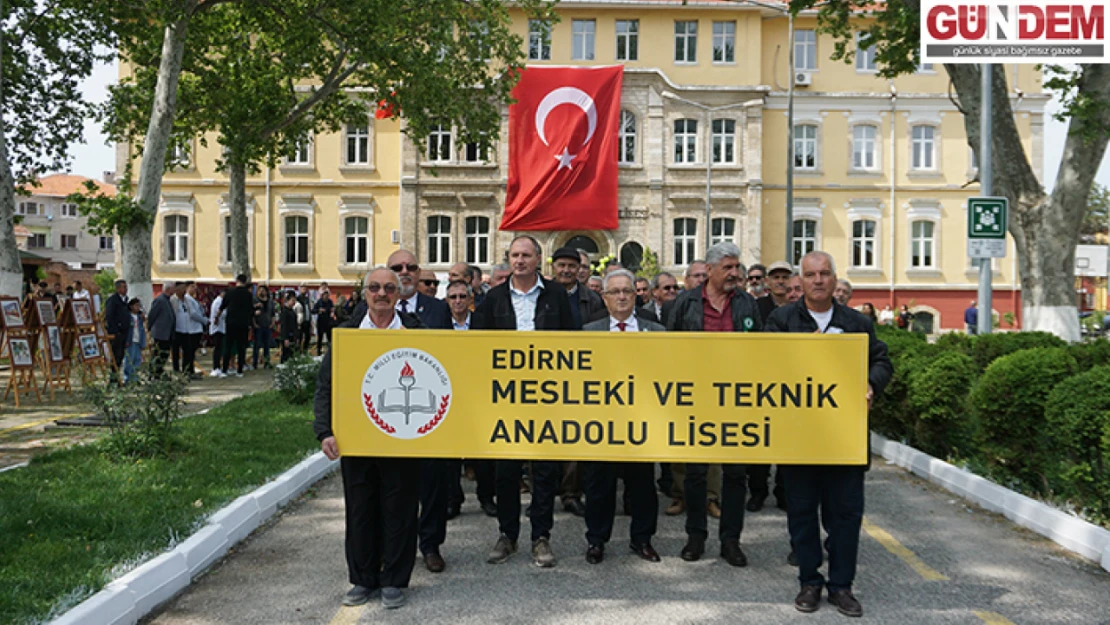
(564, 159)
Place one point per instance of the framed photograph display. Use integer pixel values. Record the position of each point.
(11, 314)
(82, 312)
(106, 347)
(20, 349)
(44, 308)
(90, 347)
(54, 344)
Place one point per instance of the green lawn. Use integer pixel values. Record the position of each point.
(73, 516)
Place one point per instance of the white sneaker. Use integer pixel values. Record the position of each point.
(238, 374)
(216, 373)
(247, 367)
(221, 374)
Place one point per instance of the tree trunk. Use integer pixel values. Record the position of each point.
(240, 252)
(1045, 227)
(136, 241)
(11, 269)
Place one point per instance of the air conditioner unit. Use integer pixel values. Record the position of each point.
(802, 79)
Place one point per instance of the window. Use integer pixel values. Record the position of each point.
(358, 145)
(439, 239)
(686, 141)
(632, 256)
(805, 50)
(923, 254)
(863, 147)
(583, 242)
(724, 141)
(686, 42)
(439, 144)
(723, 229)
(626, 139)
(724, 42)
(302, 152)
(356, 240)
(69, 241)
(863, 244)
(28, 208)
(865, 57)
(227, 239)
(107, 244)
(68, 210)
(477, 240)
(179, 157)
(685, 236)
(177, 239)
(924, 147)
(628, 40)
(582, 40)
(539, 40)
(473, 152)
(925, 67)
(37, 240)
(805, 146)
(805, 238)
(296, 240)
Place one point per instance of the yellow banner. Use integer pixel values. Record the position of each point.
(652, 396)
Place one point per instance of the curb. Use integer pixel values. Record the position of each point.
(126, 600)
(1070, 532)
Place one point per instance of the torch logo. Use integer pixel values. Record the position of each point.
(406, 393)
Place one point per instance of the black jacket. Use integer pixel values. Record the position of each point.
(552, 309)
(288, 322)
(590, 305)
(239, 304)
(321, 406)
(766, 306)
(688, 315)
(117, 316)
(796, 318)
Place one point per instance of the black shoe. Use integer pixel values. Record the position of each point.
(434, 562)
(595, 554)
(695, 547)
(489, 508)
(452, 511)
(645, 551)
(755, 503)
(780, 503)
(733, 554)
(809, 599)
(792, 557)
(574, 506)
(845, 603)
(528, 511)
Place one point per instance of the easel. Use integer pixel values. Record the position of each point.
(92, 366)
(21, 351)
(55, 371)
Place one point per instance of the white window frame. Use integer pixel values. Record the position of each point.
(68, 210)
(875, 144)
(179, 205)
(688, 240)
(356, 205)
(21, 208)
(182, 239)
(686, 41)
(304, 154)
(865, 58)
(539, 40)
(296, 205)
(355, 238)
(289, 237)
(110, 247)
(181, 155)
(809, 209)
(583, 40)
(626, 138)
(353, 132)
(45, 241)
(62, 242)
(685, 140)
(435, 240)
(225, 229)
(631, 37)
(725, 139)
(715, 238)
(436, 153)
(929, 242)
(805, 50)
(724, 42)
(479, 238)
(862, 240)
(816, 143)
(804, 242)
(918, 147)
(924, 211)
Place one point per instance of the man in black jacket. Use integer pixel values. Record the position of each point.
(239, 304)
(381, 494)
(720, 304)
(525, 302)
(117, 321)
(837, 491)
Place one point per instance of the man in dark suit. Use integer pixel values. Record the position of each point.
(834, 491)
(600, 478)
(162, 322)
(239, 304)
(435, 489)
(117, 321)
(525, 302)
(380, 494)
(720, 304)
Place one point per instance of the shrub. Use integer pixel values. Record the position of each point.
(938, 398)
(891, 414)
(296, 378)
(1091, 354)
(955, 342)
(986, 348)
(140, 415)
(1008, 404)
(1078, 419)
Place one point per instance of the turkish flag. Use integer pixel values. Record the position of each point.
(563, 149)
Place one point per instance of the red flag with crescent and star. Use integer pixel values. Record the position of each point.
(563, 149)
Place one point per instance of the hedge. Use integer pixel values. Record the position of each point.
(1078, 415)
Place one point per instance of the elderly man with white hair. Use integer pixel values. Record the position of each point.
(161, 321)
(720, 304)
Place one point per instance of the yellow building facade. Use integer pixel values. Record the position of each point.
(881, 168)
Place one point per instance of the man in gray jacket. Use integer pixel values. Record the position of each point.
(161, 321)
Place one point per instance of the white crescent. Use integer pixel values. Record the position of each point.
(566, 95)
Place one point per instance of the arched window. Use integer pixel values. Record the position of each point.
(632, 256)
(584, 243)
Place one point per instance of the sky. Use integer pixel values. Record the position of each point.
(95, 156)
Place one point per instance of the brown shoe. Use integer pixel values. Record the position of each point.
(676, 508)
(845, 603)
(714, 509)
(434, 562)
(809, 599)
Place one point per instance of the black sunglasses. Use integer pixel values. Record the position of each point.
(389, 288)
(402, 267)
(458, 296)
(671, 287)
(751, 278)
(430, 282)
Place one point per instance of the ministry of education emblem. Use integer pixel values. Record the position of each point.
(406, 393)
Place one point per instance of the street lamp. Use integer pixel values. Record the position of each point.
(707, 110)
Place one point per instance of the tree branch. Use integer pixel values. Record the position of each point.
(336, 77)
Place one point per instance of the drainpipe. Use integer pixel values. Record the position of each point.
(893, 176)
(268, 246)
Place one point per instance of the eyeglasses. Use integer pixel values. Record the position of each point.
(670, 287)
(754, 278)
(458, 296)
(404, 266)
(430, 282)
(625, 292)
(374, 287)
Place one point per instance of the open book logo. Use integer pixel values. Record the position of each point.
(406, 393)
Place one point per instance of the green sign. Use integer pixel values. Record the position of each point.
(987, 218)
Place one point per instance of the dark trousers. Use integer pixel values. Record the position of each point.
(189, 344)
(733, 491)
(323, 335)
(758, 475)
(600, 481)
(262, 337)
(381, 496)
(485, 479)
(217, 349)
(161, 353)
(178, 348)
(286, 351)
(433, 504)
(665, 479)
(306, 335)
(235, 342)
(838, 492)
(545, 481)
(119, 348)
(455, 494)
(570, 487)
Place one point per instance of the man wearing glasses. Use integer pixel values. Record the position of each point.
(756, 275)
(380, 494)
(664, 288)
(428, 284)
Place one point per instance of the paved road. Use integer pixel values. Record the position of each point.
(925, 558)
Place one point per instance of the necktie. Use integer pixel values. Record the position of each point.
(621, 325)
(404, 305)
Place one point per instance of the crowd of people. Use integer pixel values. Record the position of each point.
(396, 507)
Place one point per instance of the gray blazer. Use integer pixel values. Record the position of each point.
(161, 319)
(602, 325)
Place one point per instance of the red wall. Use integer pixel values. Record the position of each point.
(950, 304)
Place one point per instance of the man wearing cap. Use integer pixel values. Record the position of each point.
(778, 281)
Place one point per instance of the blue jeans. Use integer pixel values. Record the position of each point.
(132, 359)
(262, 337)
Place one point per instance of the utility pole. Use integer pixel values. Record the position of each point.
(986, 184)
